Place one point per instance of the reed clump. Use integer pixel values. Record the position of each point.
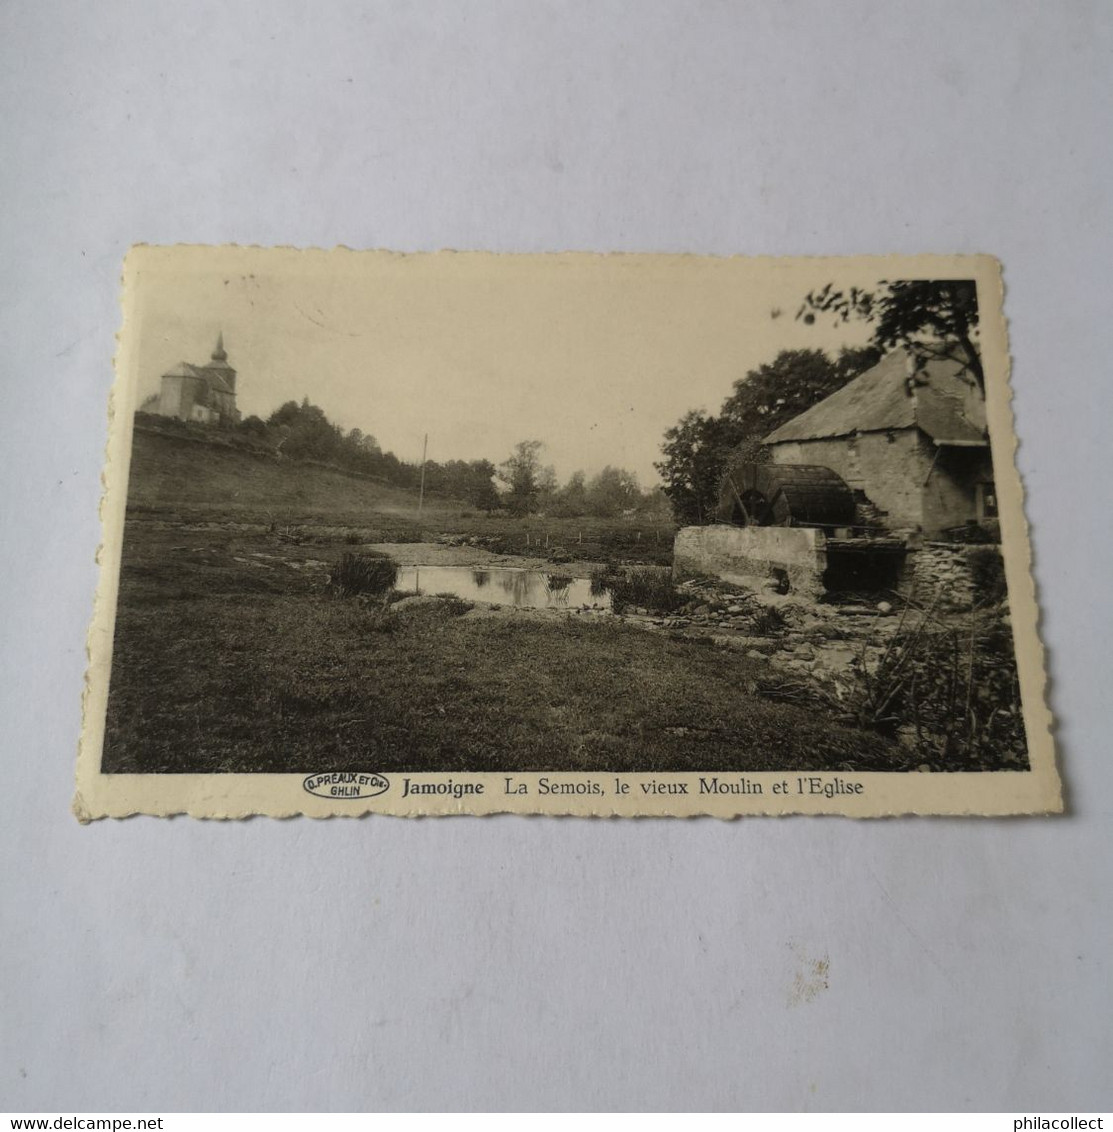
(366, 573)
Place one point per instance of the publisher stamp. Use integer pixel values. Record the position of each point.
(599, 535)
(346, 784)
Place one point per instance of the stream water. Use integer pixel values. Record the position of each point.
(504, 585)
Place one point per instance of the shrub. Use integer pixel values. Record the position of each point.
(642, 587)
(369, 573)
(453, 605)
(955, 687)
(768, 621)
(987, 572)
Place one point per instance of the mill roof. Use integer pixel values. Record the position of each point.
(897, 393)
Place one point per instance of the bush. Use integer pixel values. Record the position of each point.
(955, 688)
(987, 572)
(768, 621)
(369, 573)
(453, 606)
(641, 588)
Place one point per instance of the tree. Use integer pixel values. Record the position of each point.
(697, 449)
(613, 491)
(655, 505)
(522, 474)
(469, 480)
(310, 435)
(933, 318)
(774, 393)
(547, 487)
(362, 442)
(571, 500)
(486, 497)
(695, 452)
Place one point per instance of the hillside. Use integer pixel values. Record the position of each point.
(187, 476)
(183, 473)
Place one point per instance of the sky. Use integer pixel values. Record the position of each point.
(595, 356)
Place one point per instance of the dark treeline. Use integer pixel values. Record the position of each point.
(521, 484)
(303, 432)
(531, 487)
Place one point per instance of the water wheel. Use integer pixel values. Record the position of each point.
(781, 495)
(753, 509)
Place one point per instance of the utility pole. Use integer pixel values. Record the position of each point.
(421, 493)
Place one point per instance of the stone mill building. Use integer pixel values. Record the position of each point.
(909, 439)
(878, 486)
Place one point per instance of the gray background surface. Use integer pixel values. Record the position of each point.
(508, 963)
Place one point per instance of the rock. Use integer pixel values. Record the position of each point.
(753, 654)
(884, 608)
(735, 609)
(703, 610)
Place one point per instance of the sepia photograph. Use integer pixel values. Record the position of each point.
(557, 560)
(559, 520)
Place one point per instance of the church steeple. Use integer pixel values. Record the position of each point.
(219, 366)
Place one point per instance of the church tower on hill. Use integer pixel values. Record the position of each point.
(206, 394)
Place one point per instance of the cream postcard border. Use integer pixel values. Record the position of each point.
(848, 793)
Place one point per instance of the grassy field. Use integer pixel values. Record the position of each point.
(225, 661)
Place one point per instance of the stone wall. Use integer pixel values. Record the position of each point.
(939, 574)
(936, 574)
(754, 556)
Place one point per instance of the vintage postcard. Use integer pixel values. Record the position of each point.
(466, 533)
